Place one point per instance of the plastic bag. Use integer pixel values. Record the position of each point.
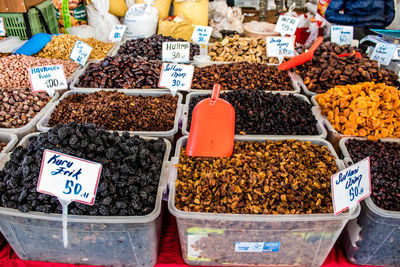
(130, 3)
(10, 44)
(221, 17)
(73, 15)
(99, 18)
(162, 7)
(83, 31)
(195, 11)
(141, 21)
(117, 8)
(322, 6)
(177, 27)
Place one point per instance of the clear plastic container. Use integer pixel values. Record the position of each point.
(374, 237)
(185, 116)
(10, 140)
(43, 123)
(215, 239)
(304, 87)
(31, 126)
(92, 240)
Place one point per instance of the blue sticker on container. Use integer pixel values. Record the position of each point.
(257, 246)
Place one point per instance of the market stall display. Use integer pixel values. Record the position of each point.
(7, 143)
(124, 222)
(372, 238)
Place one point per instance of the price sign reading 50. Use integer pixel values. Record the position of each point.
(69, 178)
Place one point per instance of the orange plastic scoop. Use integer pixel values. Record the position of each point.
(212, 130)
(358, 54)
(303, 58)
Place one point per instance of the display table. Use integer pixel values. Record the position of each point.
(169, 255)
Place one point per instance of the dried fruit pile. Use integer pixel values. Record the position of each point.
(121, 72)
(281, 177)
(385, 170)
(364, 109)
(19, 106)
(2, 146)
(129, 180)
(327, 69)
(242, 75)
(151, 48)
(259, 112)
(118, 111)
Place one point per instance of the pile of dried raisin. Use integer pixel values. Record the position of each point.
(259, 112)
(129, 179)
(385, 170)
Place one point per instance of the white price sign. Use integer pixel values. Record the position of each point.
(383, 53)
(2, 28)
(286, 25)
(342, 35)
(68, 178)
(351, 185)
(178, 52)
(47, 78)
(80, 52)
(176, 77)
(280, 46)
(117, 33)
(201, 34)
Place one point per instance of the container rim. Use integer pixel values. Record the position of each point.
(351, 214)
(100, 219)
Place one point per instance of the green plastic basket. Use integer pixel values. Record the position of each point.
(15, 24)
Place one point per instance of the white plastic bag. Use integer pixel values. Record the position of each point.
(141, 21)
(130, 3)
(100, 19)
(82, 31)
(221, 17)
(10, 44)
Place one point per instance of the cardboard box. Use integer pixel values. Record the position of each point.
(19, 6)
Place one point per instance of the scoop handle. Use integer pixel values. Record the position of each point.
(316, 44)
(216, 91)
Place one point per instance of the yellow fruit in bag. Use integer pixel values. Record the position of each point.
(118, 8)
(161, 5)
(195, 11)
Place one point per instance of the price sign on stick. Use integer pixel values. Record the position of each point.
(383, 53)
(2, 28)
(80, 52)
(176, 77)
(342, 35)
(178, 52)
(117, 33)
(286, 25)
(280, 46)
(201, 34)
(47, 78)
(351, 185)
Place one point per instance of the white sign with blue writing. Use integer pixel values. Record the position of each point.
(117, 33)
(201, 34)
(286, 25)
(178, 52)
(342, 35)
(257, 246)
(68, 178)
(176, 77)
(2, 28)
(383, 53)
(80, 52)
(47, 78)
(280, 46)
(351, 185)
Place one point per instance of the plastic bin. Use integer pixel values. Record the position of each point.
(93, 240)
(15, 23)
(185, 116)
(10, 140)
(31, 126)
(374, 237)
(304, 87)
(287, 239)
(42, 125)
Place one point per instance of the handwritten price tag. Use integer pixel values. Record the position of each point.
(80, 52)
(351, 185)
(383, 53)
(178, 52)
(68, 178)
(176, 77)
(2, 28)
(342, 35)
(286, 25)
(117, 33)
(201, 34)
(47, 78)
(280, 47)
